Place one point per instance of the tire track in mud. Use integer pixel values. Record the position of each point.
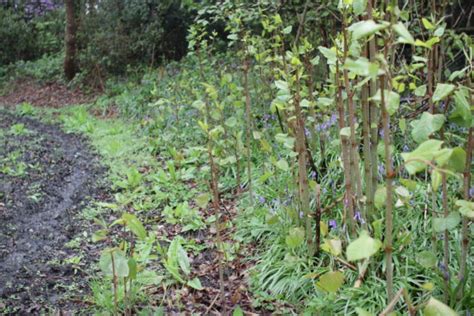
(37, 214)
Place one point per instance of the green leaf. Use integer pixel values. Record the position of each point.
(425, 151)
(402, 123)
(149, 277)
(462, 114)
(362, 312)
(134, 224)
(345, 132)
(332, 246)
(282, 164)
(405, 36)
(203, 199)
(132, 267)
(466, 208)
(411, 185)
(361, 67)
(119, 260)
(442, 91)
(449, 222)
(233, 37)
(282, 85)
(392, 100)
(99, 235)
(287, 30)
(402, 192)
(331, 281)
(429, 43)
(436, 308)
(426, 126)
(176, 257)
(363, 247)
(457, 160)
(295, 237)
(435, 180)
(427, 24)
(325, 102)
(231, 122)
(237, 311)
(420, 91)
(365, 28)
(359, 6)
(380, 197)
(183, 260)
(195, 284)
(426, 259)
(329, 54)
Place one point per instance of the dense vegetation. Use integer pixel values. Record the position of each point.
(325, 146)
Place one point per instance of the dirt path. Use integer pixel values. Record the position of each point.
(46, 177)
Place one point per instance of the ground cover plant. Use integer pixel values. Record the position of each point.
(311, 157)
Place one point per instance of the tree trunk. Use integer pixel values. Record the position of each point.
(70, 67)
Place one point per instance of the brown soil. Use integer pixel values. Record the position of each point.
(52, 94)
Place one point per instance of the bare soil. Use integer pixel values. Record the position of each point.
(46, 178)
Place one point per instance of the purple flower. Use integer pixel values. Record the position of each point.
(358, 217)
(312, 175)
(306, 132)
(381, 133)
(442, 105)
(471, 192)
(332, 224)
(261, 199)
(301, 214)
(381, 169)
(444, 270)
(406, 148)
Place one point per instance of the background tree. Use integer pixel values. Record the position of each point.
(70, 64)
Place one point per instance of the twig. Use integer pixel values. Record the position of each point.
(212, 304)
(347, 264)
(362, 272)
(391, 305)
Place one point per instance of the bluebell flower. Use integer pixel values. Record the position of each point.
(358, 217)
(312, 175)
(471, 192)
(381, 169)
(332, 224)
(261, 199)
(406, 148)
(444, 270)
(381, 133)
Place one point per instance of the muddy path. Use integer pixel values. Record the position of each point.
(46, 179)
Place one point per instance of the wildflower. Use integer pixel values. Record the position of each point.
(358, 217)
(406, 148)
(306, 132)
(381, 133)
(261, 199)
(312, 175)
(381, 169)
(443, 270)
(332, 224)
(471, 192)
(301, 214)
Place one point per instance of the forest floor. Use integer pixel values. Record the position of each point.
(47, 177)
(50, 179)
